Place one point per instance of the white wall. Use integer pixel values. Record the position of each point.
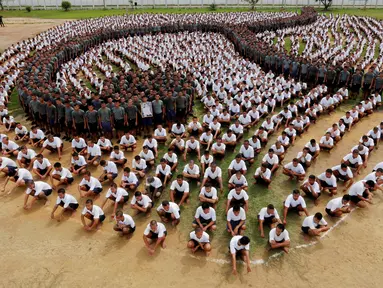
(51, 4)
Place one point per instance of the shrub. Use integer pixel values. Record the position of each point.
(66, 5)
(213, 6)
(28, 8)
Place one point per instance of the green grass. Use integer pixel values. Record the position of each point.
(82, 14)
(287, 44)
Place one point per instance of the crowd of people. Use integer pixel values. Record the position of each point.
(73, 93)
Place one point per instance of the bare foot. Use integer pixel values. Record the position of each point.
(286, 250)
(163, 245)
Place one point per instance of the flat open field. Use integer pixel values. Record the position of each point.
(39, 252)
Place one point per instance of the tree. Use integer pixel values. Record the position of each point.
(252, 3)
(326, 3)
(66, 5)
(1, 5)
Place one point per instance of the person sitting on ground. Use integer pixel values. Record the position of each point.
(268, 216)
(238, 179)
(194, 127)
(199, 239)
(8, 166)
(314, 225)
(208, 195)
(169, 211)
(104, 144)
(178, 129)
(271, 160)
(334, 133)
(109, 172)
(206, 139)
(128, 142)
(240, 246)
(117, 195)
(163, 171)
(93, 155)
(205, 218)
(191, 172)
(179, 190)
(151, 143)
(367, 142)
(360, 193)
(171, 159)
(326, 143)
(36, 137)
(67, 202)
(41, 167)
(237, 165)
(39, 191)
(343, 172)
(155, 232)
(313, 148)
(21, 133)
(213, 175)
(294, 170)
(78, 164)
(229, 139)
(147, 155)
(124, 223)
(304, 158)
(279, 238)
(236, 218)
(129, 180)
(237, 196)
(60, 174)
(279, 150)
(262, 175)
(118, 157)
(256, 144)
(312, 188)
(53, 144)
(338, 206)
(89, 186)
(294, 202)
(141, 203)
(206, 160)
(79, 145)
(354, 161)
(377, 177)
(192, 145)
(154, 187)
(160, 134)
(328, 182)
(21, 177)
(247, 153)
(139, 166)
(26, 157)
(94, 213)
(9, 148)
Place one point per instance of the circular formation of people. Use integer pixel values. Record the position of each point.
(100, 93)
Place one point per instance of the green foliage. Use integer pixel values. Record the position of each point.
(326, 3)
(28, 8)
(252, 3)
(213, 6)
(66, 5)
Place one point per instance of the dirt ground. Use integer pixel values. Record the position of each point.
(39, 252)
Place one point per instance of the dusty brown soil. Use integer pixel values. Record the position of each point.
(39, 252)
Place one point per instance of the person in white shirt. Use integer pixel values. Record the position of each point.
(154, 187)
(271, 160)
(268, 216)
(128, 142)
(169, 211)
(21, 177)
(163, 171)
(62, 175)
(326, 143)
(314, 148)
(152, 144)
(124, 223)
(191, 172)
(79, 145)
(89, 186)
(238, 179)
(215, 127)
(147, 155)
(205, 218)
(26, 157)
(53, 144)
(237, 196)
(94, 213)
(240, 246)
(141, 203)
(179, 190)
(78, 164)
(338, 206)
(328, 182)
(41, 167)
(8, 166)
(236, 217)
(314, 225)
(377, 177)
(213, 175)
(279, 238)
(237, 165)
(262, 175)
(178, 145)
(109, 172)
(117, 195)
(93, 154)
(199, 239)
(247, 152)
(21, 132)
(66, 201)
(160, 134)
(360, 193)
(118, 157)
(36, 137)
(194, 127)
(129, 180)
(178, 129)
(354, 161)
(294, 170)
(229, 139)
(139, 166)
(294, 202)
(312, 188)
(368, 142)
(104, 144)
(262, 135)
(218, 149)
(304, 158)
(208, 195)
(343, 172)
(171, 159)
(39, 190)
(154, 232)
(192, 145)
(9, 148)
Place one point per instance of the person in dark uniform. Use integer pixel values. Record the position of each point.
(304, 69)
(330, 78)
(356, 83)
(321, 74)
(377, 84)
(367, 82)
(344, 77)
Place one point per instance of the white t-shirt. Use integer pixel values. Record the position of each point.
(247, 153)
(237, 166)
(209, 215)
(162, 170)
(43, 165)
(357, 189)
(297, 169)
(192, 145)
(68, 199)
(105, 143)
(173, 208)
(64, 173)
(241, 181)
(92, 183)
(40, 186)
(140, 165)
(110, 167)
(204, 238)
(94, 151)
(7, 162)
(78, 144)
(242, 195)
(156, 182)
(24, 174)
(128, 221)
(232, 217)
(192, 171)
(277, 238)
(144, 202)
(184, 187)
(158, 133)
(211, 174)
(266, 174)
(312, 148)
(335, 203)
(79, 162)
(271, 161)
(160, 230)
(127, 141)
(330, 181)
(30, 154)
(96, 211)
(353, 160)
(348, 172)
(234, 247)
(120, 192)
(118, 156)
(147, 156)
(263, 214)
(290, 201)
(54, 144)
(212, 194)
(309, 222)
(325, 141)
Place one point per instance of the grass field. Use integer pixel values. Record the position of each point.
(81, 14)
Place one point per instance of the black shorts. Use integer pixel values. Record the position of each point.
(79, 128)
(42, 171)
(305, 229)
(203, 221)
(78, 150)
(70, 180)
(132, 123)
(47, 192)
(325, 185)
(96, 190)
(98, 158)
(329, 212)
(234, 224)
(155, 235)
(119, 125)
(268, 220)
(102, 218)
(73, 206)
(169, 215)
(11, 171)
(355, 199)
(148, 121)
(93, 127)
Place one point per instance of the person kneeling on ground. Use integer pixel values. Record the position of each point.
(39, 190)
(155, 232)
(294, 202)
(117, 195)
(124, 223)
(360, 193)
(141, 203)
(94, 214)
(268, 216)
(336, 207)
(240, 246)
(169, 211)
(205, 218)
(66, 201)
